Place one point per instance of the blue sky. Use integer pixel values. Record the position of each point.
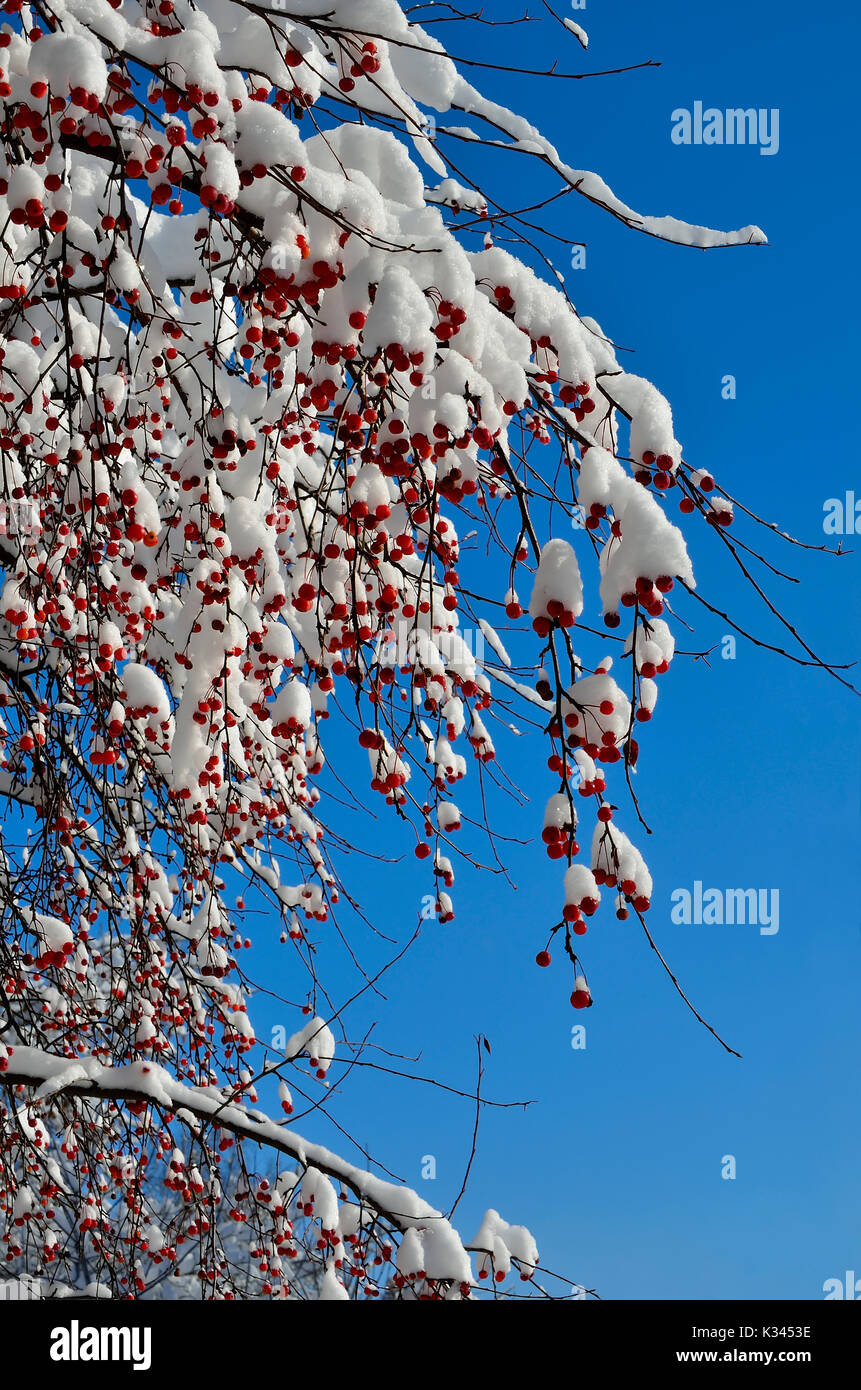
(749, 771)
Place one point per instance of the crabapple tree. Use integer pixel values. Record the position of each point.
(167, 1261)
(262, 363)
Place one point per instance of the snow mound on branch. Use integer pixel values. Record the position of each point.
(557, 592)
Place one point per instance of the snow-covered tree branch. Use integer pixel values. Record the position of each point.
(262, 365)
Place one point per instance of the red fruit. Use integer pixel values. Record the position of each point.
(581, 999)
(422, 850)
(543, 959)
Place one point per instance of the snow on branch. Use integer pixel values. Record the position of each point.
(293, 438)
